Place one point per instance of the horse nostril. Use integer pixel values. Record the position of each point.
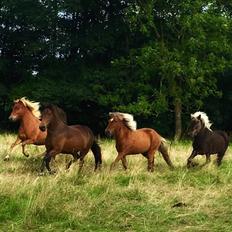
(42, 128)
(108, 134)
(12, 118)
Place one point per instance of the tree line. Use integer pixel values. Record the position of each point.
(157, 59)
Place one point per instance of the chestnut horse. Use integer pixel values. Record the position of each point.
(28, 114)
(129, 140)
(76, 140)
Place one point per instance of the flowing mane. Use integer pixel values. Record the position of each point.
(32, 106)
(204, 118)
(128, 119)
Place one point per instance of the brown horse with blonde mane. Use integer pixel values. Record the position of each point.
(28, 114)
(130, 140)
(76, 140)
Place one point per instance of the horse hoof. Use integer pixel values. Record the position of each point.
(192, 165)
(52, 172)
(41, 174)
(179, 204)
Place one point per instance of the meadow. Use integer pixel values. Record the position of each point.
(199, 199)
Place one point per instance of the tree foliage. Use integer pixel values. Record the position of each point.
(152, 58)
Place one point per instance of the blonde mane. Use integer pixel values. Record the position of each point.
(128, 118)
(32, 106)
(204, 118)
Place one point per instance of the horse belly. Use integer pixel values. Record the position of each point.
(211, 146)
(73, 145)
(140, 146)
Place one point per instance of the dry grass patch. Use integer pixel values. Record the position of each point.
(134, 200)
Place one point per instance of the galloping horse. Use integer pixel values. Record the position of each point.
(76, 140)
(206, 141)
(129, 140)
(27, 112)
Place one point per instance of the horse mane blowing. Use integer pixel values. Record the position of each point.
(32, 106)
(203, 116)
(128, 119)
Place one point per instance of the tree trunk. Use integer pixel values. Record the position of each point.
(178, 120)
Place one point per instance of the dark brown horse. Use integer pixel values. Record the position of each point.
(76, 140)
(131, 141)
(28, 114)
(205, 141)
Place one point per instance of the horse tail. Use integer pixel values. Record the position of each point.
(164, 151)
(96, 149)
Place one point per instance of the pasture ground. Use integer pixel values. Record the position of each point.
(132, 200)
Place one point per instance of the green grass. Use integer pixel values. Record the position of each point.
(134, 200)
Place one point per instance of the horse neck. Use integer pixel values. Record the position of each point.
(55, 124)
(27, 117)
(202, 133)
(121, 133)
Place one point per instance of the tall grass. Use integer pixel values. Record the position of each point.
(132, 200)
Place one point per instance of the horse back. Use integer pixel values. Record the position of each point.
(143, 140)
(73, 138)
(211, 142)
(225, 136)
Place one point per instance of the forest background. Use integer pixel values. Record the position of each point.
(157, 59)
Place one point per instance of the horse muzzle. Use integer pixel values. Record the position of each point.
(42, 128)
(108, 133)
(12, 118)
(191, 133)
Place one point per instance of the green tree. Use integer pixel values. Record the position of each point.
(187, 45)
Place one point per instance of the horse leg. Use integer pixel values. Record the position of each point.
(219, 158)
(124, 162)
(82, 156)
(119, 157)
(47, 159)
(150, 157)
(189, 161)
(164, 151)
(43, 163)
(23, 150)
(75, 158)
(18, 141)
(207, 158)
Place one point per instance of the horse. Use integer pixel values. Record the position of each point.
(206, 141)
(76, 140)
(28, 114)
(130, 140)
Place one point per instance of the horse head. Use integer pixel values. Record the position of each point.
(50, 113)
(23, 105)
(199, 120)
(18, 110)
(117, 120)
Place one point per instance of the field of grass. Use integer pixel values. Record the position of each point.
(132, 200)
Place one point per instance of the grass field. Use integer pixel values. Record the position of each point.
(134, 200)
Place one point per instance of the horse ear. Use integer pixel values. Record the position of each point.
(111, 114)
